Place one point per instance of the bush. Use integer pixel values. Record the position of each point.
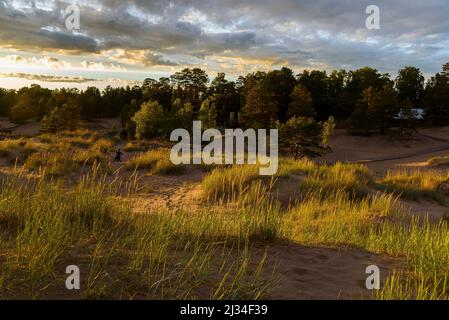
(66, 117)
(305, 137)
(149, 120)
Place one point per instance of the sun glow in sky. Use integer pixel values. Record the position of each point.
(124, 42)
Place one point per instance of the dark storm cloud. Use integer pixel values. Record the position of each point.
(303, 33)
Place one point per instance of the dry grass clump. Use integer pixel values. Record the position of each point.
(103, 146)
(135, 146)
(156, 161)
(288, 166)
(64, 160)
(6, 146)
(354, 179)
(229, 184)
(20, 145)
(81, 138)
(416, 184)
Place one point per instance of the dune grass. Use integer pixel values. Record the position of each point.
(133, 146)
(121, 255)
(20, 145)
(416, 184)
(156, 162)
(289, 166)
(103, 146)
(353, 179)
(229, 184)
(46, 225)
(379, 225)
(63, 161)
(67, 152)
(336, 209)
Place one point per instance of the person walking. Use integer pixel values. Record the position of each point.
(118, 155)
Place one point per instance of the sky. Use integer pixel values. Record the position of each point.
(123, 42)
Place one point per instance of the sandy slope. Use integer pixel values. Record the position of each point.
(323, 273)
(384, 153)
(307, 272)
(315, 272)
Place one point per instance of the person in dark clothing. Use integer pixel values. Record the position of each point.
(118, 156)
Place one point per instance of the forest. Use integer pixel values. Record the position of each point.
(364, 101)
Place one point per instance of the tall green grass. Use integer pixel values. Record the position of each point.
(416, 184)
(46, 224)
(121, 254)
(229, 184)
(156, 161)
(354, 179)
(378, 224)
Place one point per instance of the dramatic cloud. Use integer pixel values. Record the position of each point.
(44, 61)
(100, 66)
(230, 35)
(46, 78)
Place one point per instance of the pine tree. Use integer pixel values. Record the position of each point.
(260, 109)
(383, 109)
(208, 115)
(305, 137)
(66, 117)
(301, 105)
(359, 120)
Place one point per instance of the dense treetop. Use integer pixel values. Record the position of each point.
(364, 99)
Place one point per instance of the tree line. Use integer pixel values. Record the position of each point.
(366, 100)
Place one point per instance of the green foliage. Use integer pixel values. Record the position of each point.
(410, 85)
(257, 99)
(301, 105)
(260, 109)
(22, 111)
(376, 111)
(436, 98)
(66, 117)
(328, 129)
(149, 120)
(189, 85)
(316, 83)
(223, 94)
(359, 120)
(305, 137)
(181, 115)
(8, 99)
(208, 115)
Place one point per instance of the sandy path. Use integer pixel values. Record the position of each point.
(168, 192)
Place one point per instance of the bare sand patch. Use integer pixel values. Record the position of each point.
(381, 153)
(324, 273)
